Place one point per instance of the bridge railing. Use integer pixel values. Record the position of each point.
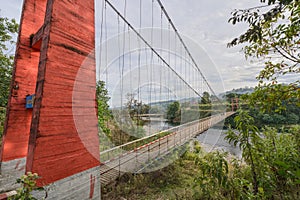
(182, 133)
(141, 155)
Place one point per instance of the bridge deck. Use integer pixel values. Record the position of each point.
(118, 160)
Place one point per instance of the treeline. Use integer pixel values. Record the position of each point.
(287, 113)
(180, 112)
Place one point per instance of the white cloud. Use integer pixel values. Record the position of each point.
(11, 9)
(203, 21)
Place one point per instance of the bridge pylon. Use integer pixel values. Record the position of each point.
(234, 104)
(42, 132)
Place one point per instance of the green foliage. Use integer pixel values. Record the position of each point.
(274, 166)
(217, 175)
(136, 132)
(28, 184)
(275, 106)
(274, 97)
(272, 157)
(213, 179)
(7, 29)
(205, 99)
(2, 120)
(172, 182)
(272, 29)
(174, 113)
(104, 114)
(247, 134)
(278, 153)
(136, 107)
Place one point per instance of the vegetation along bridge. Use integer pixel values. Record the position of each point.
(137, 156)
(79, 78)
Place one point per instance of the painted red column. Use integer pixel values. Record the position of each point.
(63, 144)
(56, 147)
(18, 119)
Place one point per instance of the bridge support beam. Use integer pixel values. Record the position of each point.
(57, 138)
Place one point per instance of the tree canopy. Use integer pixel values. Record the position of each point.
(174, 112)
(104, 114)
(205, 99)
(273, 35)
(7, 29)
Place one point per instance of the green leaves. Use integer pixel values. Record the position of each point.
(28, 184)
(273, 157)
(205, 99)
(274, 97)
(174, 112)
(272, 34)
(214, 174)
(104, 114)
(7, 30)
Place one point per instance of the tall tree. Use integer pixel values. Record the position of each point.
(273, 34)
(205, 99)
(136, 107)
(174, 112)
(7, 30)
(104, 114)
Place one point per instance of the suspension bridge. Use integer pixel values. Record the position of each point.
(51, 126)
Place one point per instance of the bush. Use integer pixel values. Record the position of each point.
(28, 184)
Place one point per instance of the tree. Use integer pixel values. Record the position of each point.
(7, 29)
(273, 30)
(205, 99)
(273, 34)
(174, 112)
(273, 97)
(136, 107)
(104, 114)
(247, 134)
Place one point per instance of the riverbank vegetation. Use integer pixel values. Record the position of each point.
(269, 167)
(217, 175)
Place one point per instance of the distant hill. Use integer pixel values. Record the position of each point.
(243, 90)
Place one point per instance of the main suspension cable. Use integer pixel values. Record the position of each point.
(149, 45)
(184, 45)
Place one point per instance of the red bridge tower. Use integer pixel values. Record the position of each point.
(57, 137)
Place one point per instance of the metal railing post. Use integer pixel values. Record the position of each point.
(180, 137)
(159, 147)
(167, 143)
(148, 154)
(119, 165)
(175, 139)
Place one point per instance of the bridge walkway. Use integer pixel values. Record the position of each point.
(133, 157)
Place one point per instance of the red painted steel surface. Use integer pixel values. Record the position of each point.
(56, 149)
(17, 127)
(59, 136)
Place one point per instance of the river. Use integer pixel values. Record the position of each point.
(214, 139)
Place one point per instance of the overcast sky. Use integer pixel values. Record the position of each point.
(204, 22)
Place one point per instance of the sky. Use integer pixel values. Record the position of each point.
(205, 24)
